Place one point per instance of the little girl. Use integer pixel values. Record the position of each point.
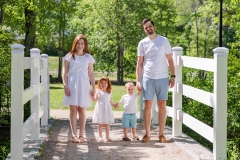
(103, 114)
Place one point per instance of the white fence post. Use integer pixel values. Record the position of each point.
(44, 95)
(48, 84)
(35, 101)
(17, 79)
(176, 96)
(220, 107)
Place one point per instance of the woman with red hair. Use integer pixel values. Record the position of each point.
(77, 76)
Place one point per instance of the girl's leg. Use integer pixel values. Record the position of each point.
(82, 122)
(100, 126)
(107, 130)
(73, 122)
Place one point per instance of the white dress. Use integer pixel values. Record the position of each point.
(103, 112)
(78, 81)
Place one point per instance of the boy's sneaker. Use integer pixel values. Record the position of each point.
(126, 139)
(135, 138)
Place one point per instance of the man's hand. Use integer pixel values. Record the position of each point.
(171, 82)
(139, 87)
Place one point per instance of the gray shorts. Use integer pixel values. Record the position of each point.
(155, 86)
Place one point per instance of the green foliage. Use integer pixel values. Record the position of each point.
(4, 149)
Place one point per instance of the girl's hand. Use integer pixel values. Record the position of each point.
(67, 91)
(93, 92)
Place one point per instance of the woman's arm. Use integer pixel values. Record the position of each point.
(92, 78)
(95, 97)
(64, 77)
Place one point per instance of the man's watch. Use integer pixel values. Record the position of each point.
(173, 76)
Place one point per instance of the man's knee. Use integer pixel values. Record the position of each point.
(162, 104)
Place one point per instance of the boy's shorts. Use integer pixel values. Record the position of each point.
(155, 86)
(129, 120)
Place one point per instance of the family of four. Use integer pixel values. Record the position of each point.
(152, 78)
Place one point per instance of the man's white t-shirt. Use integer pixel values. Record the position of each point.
(155, 64)
(129, 103)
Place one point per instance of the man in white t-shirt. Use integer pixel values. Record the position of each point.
(154, 57)
(129, 119)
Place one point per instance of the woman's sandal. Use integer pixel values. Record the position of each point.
(109, 139)
(100, 139)
(75, 139)
(81, 139)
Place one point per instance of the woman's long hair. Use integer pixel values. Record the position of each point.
(75, 41)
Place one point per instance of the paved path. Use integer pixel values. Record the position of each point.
(58, 145)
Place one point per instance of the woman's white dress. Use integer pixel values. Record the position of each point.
(103, 112)
(78, 81)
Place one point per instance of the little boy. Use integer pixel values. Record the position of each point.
(129, 119)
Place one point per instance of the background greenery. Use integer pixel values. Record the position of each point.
(113, 30)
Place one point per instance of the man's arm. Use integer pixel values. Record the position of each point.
(172, 69)
(139, 71)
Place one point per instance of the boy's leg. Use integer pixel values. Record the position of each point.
(133, 132)
(125, 132)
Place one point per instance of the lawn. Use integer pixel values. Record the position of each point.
(56, 96)
(53, 69)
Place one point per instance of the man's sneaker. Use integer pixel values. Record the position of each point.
(162, 139)
(146, 138)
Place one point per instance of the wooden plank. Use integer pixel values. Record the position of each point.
(28, 62)
(28, 124)
(29, 93)
(206, 64)
(196, 125)
(196, 94)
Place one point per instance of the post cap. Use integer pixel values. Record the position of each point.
(177, 48)
(220, 51)
(17, 47)
(44, 55)
(35, 52)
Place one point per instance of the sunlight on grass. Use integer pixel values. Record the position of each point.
(56, 96)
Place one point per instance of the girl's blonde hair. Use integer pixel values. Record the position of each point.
(109, 87)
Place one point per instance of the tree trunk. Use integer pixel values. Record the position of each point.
(1, 15)
(30, 31)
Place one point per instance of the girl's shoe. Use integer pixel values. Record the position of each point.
(100, 139)
(75, 139)
(109, 139)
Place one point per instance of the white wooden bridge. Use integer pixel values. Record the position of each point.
(38, 94)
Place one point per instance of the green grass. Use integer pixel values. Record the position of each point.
(56, 97)
(53, 63)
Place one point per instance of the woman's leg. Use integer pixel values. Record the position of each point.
(73, 122)
(82, 121)
(100, 130)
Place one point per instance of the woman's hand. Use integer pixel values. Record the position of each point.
(93, 92)
(66, 91)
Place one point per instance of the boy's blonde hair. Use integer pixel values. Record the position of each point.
(129, 84)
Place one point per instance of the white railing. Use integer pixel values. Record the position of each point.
(39, 88)
(217, 100)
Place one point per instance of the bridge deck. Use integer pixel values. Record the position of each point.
(58, 145)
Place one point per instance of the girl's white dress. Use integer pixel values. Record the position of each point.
(78, 81)
(103, 112)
